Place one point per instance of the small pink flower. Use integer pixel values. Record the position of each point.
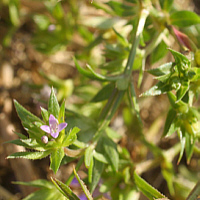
(54, 127)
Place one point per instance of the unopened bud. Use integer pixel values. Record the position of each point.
(44, 139)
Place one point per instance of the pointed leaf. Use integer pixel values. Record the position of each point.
(30, 155)
(158, 89)
(64, 189)
(45, 114)
(162, 70)
(182, 91)
(40, 183)
(70, 137)
(171, 115)
(83, 186)
(96, 175)
(149, 191)
(56, 158)
(181, 134)
(53, 106)
(104, 93)
(189, 146)
(88, 155)
(110, 149)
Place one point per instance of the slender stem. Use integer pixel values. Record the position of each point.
(143, 15)
(195, 193)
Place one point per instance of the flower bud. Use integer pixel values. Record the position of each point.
(44, 139)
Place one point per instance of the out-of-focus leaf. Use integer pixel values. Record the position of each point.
(42, 21)
(30, 155)
(100, 157)
(83, 186)
(159, 52)
(56, 158)
(110, 152)
(184, 18)
(53, 105)
(14, 12)
(166, 4)
(104, 93)
(169, 125)
(121, 39)
(64, 189)
(147, 189)
(96, 175)
(121, 9)
(88, 155)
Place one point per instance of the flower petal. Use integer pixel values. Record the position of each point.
(52, 120)
(45, 128)
(55, 135)
(62, 126)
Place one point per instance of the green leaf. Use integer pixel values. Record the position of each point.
(22, 136)
(195, 192)
(45, 114)
(122, 83)
(110, 152)
(83, 186)
(158, 89)
(182, 91)
(47, 194)
(14, 12)
(30, 155)
(166, 4)
(181, 134)
(171, 116)
(162, 70)
(96, 175)
(189, 146)
(53, 106)
(104, 93)
(100, 157)
(61, 117)
(88, 155)
(121, 39)
(184, 18)
(56, 158)
(25, 116)
(40, 183)
(147, 189)
(64, 189)
(159, 52)
(121, 9)
(70, 137)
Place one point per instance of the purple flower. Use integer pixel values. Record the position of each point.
(54, 127)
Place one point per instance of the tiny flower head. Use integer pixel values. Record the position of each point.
(44, 139)
(54, 127)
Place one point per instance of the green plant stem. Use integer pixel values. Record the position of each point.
(142, 19)
(195, 193)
